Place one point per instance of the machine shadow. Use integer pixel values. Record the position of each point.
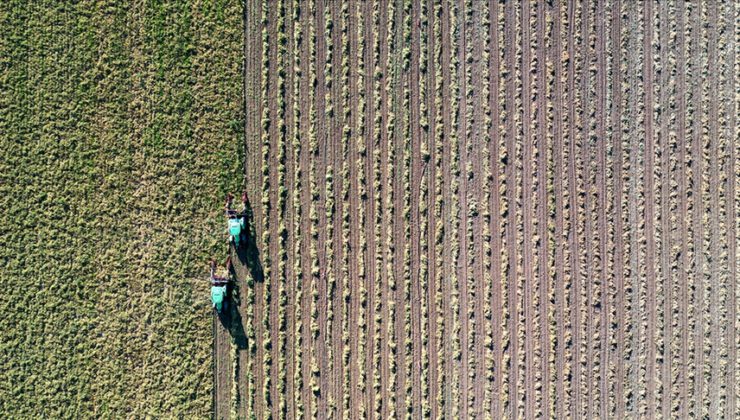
(248, 253)
(234, 323)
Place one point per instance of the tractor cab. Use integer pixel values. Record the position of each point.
(236, 220)
(218, 297)
(236, 225)
(220, 287)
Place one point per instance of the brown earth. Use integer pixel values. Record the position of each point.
(532, 213)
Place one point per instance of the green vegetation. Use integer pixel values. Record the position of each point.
(120, 135)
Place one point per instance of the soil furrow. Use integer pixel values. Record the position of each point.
(288, 281)
(573, 206)
(527, 210)
(541, 215)
(322, 134)
(666, 276)
(648, 180)
(602, 304)
(476, 156)
(337, 155)
(371, 225)
(714, 216)
(415, 182)
(494, 206)
(446, 393)
(618, 207)
(683, 261)
(511, 270)
(385, 145)
(733, 224)
(355, 247)
(433, 298)
(696, 183)
(558, 186)
(460, 227)
(307, 131)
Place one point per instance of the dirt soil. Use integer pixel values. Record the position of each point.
(461, 209)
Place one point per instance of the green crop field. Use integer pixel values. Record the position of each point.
(120, 131)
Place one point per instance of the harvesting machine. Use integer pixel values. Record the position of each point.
(237, 221)
(220, 287)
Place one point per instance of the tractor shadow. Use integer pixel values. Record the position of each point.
(249, 254)
(233, 320)
(249, 258)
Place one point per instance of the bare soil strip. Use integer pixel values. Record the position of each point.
(511, 277)
(289, 279)
(617, 101)
(305, 106)
(356, 250)
(666, 277)
(602, 304)
(696, 183)
(559, 170)
(476, 157)
(543, 240)
(415, 185)
(446, 205)
(222, 370)
(732, 224)
(462, 262)
(683, 214)
(383, 211)
(432, 179)
(495, 206)
(574, 248)
(527, 210)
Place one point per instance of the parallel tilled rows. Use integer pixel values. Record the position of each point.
(506, 209)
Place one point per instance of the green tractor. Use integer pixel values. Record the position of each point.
(238, 225)
(220, 288)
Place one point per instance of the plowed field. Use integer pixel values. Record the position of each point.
(474, 209)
